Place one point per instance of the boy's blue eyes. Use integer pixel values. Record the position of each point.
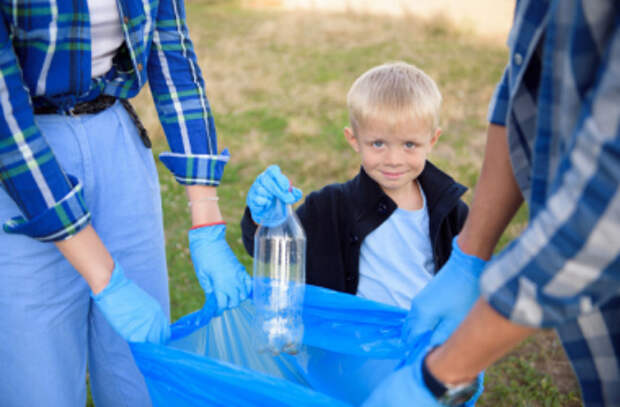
(379, 143)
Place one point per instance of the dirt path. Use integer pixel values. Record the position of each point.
(488, 18)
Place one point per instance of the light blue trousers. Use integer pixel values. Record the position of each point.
(50, 330)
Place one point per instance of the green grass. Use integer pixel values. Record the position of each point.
(277, 83)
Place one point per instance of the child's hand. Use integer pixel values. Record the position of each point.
(269, 191)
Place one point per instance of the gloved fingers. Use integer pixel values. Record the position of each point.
(280, 186)
(261, 195)
(242, 286)
(417, 324)
(233, 295)
(276, 189)
(274, 173)
(222, 301)
(297, 194)
(205, 283)
(247, 282)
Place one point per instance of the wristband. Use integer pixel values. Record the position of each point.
(207, 199)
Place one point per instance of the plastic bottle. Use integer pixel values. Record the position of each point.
(279, 282)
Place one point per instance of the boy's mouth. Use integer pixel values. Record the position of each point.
(392, 175)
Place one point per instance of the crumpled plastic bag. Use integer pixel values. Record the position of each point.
(350, 344)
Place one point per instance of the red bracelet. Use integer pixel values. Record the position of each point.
(207, 224)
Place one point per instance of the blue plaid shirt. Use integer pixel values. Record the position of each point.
(560, 100)
(45, 54)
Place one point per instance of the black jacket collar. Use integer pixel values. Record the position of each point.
(442, 194)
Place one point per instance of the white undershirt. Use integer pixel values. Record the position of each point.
(106, 34)
(396, 259)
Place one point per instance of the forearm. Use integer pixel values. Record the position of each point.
(483, 337)
(496, 199)
(204, 205)
(87, 254)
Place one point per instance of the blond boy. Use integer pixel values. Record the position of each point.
(383, 234)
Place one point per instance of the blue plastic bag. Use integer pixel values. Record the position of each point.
(350, 345)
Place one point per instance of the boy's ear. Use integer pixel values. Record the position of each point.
(435, 137)
(351, 139)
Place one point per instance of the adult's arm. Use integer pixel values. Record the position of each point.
(565, 263)
(496, 198)
(87, 254)
(179, 94)
(178, 91)
(50, 201)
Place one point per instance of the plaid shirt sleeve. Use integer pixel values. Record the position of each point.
(178, 91)
(565, 264)
(51, 202)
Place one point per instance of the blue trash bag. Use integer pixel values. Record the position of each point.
(350, 344)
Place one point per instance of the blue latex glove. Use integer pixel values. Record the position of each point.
(217, 268)
(405, 387)
(446, 300)
(133, 313)
(269, 191)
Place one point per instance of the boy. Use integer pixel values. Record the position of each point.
(383, 234)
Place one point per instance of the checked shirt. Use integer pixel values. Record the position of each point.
(45, 54)
(560, 100)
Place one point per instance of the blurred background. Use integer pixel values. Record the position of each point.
(277, 73)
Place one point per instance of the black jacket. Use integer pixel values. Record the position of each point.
(338, 217)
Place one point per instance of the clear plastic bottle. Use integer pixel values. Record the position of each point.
(279, 282)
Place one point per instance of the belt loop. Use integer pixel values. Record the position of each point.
(136, 121)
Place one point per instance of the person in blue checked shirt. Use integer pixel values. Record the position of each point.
(82, 262)
(553, 140)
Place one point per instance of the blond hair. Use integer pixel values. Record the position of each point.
(391, 93)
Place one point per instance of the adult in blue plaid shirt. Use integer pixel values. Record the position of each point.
(554, 140)
(80, 194)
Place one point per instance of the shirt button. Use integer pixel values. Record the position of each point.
(140, 67)
(518, 58)
(354, 239)
(126, 20)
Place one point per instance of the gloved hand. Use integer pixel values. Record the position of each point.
(133, 313)
(217, 268)
(405, 387)
(446, 300)
(269, 191)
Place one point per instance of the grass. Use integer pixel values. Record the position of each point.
(277, 83)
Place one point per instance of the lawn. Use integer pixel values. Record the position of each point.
(277, 83)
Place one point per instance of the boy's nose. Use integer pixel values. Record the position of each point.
(393, 157)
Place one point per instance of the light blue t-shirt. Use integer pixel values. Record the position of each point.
(396, 259)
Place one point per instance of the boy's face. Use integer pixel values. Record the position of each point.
(393, 155)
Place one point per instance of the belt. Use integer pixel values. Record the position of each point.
(95, 106)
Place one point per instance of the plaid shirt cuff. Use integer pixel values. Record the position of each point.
(196, 169)
(59, 222)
